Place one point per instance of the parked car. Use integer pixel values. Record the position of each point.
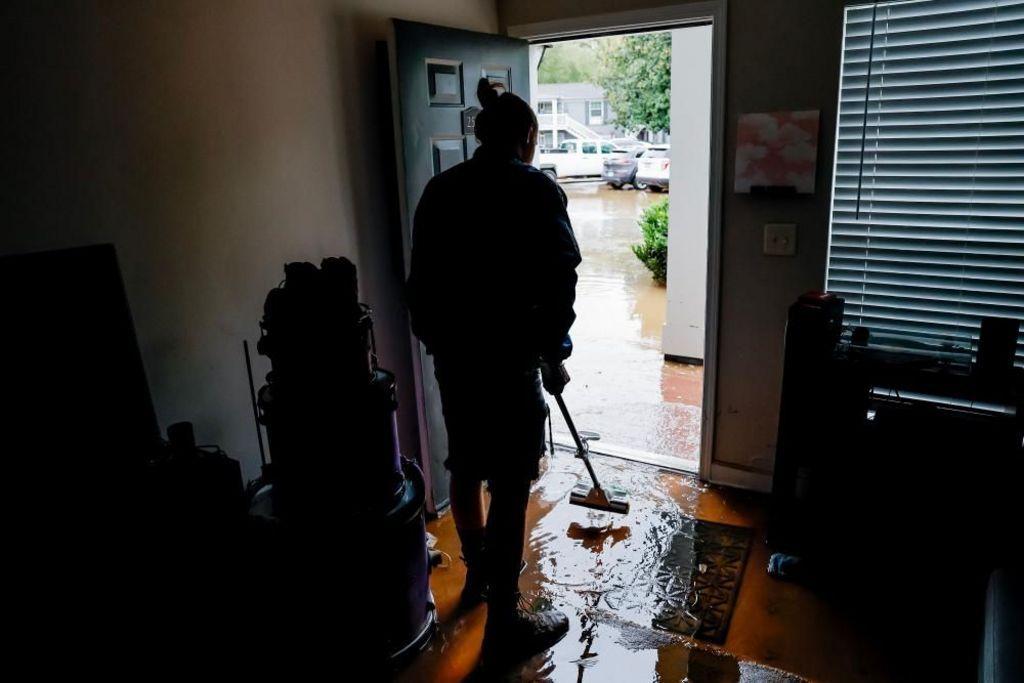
(621, 170)
(577, 158)
(652, 168)
(630, 143)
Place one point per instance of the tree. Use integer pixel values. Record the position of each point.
(635, 72)
(569, 63)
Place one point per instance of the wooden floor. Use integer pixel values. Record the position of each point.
(572, 556)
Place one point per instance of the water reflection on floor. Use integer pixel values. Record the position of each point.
(622, 387)
(593, 566)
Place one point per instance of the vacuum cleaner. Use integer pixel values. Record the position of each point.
(597, 497)
(330, 414)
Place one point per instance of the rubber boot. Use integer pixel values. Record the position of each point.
(513, 634)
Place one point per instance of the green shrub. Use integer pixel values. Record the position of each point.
(653, 251)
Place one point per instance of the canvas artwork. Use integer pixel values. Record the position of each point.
(777, 152)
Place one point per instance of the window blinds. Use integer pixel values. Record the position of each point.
(927, 224)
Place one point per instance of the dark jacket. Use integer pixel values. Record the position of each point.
(493, 274)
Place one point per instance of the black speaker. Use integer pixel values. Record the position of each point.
(813, 329)
(997, 346)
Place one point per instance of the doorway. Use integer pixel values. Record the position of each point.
(434, 112)
(625, 129)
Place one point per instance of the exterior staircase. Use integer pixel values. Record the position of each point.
(557, 122)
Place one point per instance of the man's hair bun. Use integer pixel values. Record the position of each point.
(486, 93)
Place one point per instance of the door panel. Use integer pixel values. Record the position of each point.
(448, 152)
(434, 72)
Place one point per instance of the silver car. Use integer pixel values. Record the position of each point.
(653, 168)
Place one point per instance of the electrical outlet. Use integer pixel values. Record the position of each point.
(780, 239)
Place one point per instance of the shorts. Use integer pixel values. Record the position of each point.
(494, 419)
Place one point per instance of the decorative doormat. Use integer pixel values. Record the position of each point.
(698, 577)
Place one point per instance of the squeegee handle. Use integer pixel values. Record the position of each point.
(581, 449)
(569, 423)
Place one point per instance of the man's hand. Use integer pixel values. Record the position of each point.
(555, 377)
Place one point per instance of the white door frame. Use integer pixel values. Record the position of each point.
(663, 18)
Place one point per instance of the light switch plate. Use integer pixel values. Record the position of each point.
(780, 239)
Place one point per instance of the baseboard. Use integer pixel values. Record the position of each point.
(684, 359)
(751, 480)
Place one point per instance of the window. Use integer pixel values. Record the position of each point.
(595, 112)
(607, 149)
(926, 234)
(589, 148)
(544, 107)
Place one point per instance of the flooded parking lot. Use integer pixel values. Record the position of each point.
(622, 387)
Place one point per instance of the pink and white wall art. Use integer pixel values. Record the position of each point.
(777, 152)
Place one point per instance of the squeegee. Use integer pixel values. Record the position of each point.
(597, 497)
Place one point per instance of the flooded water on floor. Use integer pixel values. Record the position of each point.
(598, 568)
(622, 386)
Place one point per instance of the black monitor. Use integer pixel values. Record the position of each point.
(78, 404)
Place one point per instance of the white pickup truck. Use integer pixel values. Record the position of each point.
(577, 158)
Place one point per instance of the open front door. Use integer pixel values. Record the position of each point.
(434, 72)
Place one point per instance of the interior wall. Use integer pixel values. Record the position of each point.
(211, 141)
(781, 55)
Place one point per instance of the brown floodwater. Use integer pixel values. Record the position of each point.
(622, 387)
(598, 568)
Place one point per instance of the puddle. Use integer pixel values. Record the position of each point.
(622, 386)
(598, 568)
